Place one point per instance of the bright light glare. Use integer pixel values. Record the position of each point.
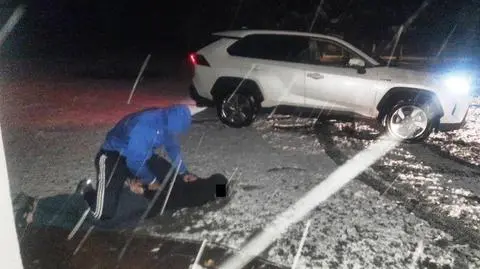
(458, 84)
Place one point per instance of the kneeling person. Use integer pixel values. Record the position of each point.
(129, 152)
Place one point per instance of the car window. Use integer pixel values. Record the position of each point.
(271, 47)
(323, 52)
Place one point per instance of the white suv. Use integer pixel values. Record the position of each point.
(243, 71)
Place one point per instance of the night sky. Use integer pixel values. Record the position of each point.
(74, 28)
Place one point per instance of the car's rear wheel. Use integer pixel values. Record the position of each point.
(410, 121)
(237, 110)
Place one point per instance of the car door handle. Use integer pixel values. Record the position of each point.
(315, 75)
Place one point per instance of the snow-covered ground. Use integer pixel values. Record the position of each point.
(356, 228)
(53, 129)
(442, 175)
(463, 144)
(444, 172)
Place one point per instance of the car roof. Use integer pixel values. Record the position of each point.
(238, 34)
(244, 33)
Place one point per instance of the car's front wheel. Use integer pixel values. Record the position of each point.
(410, 121)
(237, 110)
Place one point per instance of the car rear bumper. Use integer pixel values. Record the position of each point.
(201, 101)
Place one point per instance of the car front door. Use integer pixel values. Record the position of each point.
(332, 83)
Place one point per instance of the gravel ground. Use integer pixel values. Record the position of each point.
(356, 228)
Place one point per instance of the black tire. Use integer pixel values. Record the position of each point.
(247, 106)
(427, 118)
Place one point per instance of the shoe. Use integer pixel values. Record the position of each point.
(84, 186)
(24, 208)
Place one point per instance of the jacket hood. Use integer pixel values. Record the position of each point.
(179, 119)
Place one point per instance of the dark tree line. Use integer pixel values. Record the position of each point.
(362, 22)
(188, 24)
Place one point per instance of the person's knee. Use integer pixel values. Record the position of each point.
(107, 210)
(90, 197)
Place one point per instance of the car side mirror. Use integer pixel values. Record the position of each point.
(356, 62)
(359, 64)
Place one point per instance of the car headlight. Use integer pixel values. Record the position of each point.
(458, 84)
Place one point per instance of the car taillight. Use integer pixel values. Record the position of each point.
(198, 59)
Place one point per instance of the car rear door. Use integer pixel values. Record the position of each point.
(271, 60)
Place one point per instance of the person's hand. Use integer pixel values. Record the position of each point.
(154, 186)
(136, 186)
(189, 178)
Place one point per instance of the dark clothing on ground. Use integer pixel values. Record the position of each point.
(112, 172)
(188, 194)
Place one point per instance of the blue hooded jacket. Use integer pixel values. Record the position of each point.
(138, 135)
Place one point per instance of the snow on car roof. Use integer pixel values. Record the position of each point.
(243, 33)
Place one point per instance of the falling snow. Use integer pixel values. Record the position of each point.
(447, 184)
(277, 162)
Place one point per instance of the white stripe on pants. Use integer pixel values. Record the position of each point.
(100, 188)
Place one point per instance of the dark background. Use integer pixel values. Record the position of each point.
(90, 28)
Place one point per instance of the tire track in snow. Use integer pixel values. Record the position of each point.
(403, 194)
